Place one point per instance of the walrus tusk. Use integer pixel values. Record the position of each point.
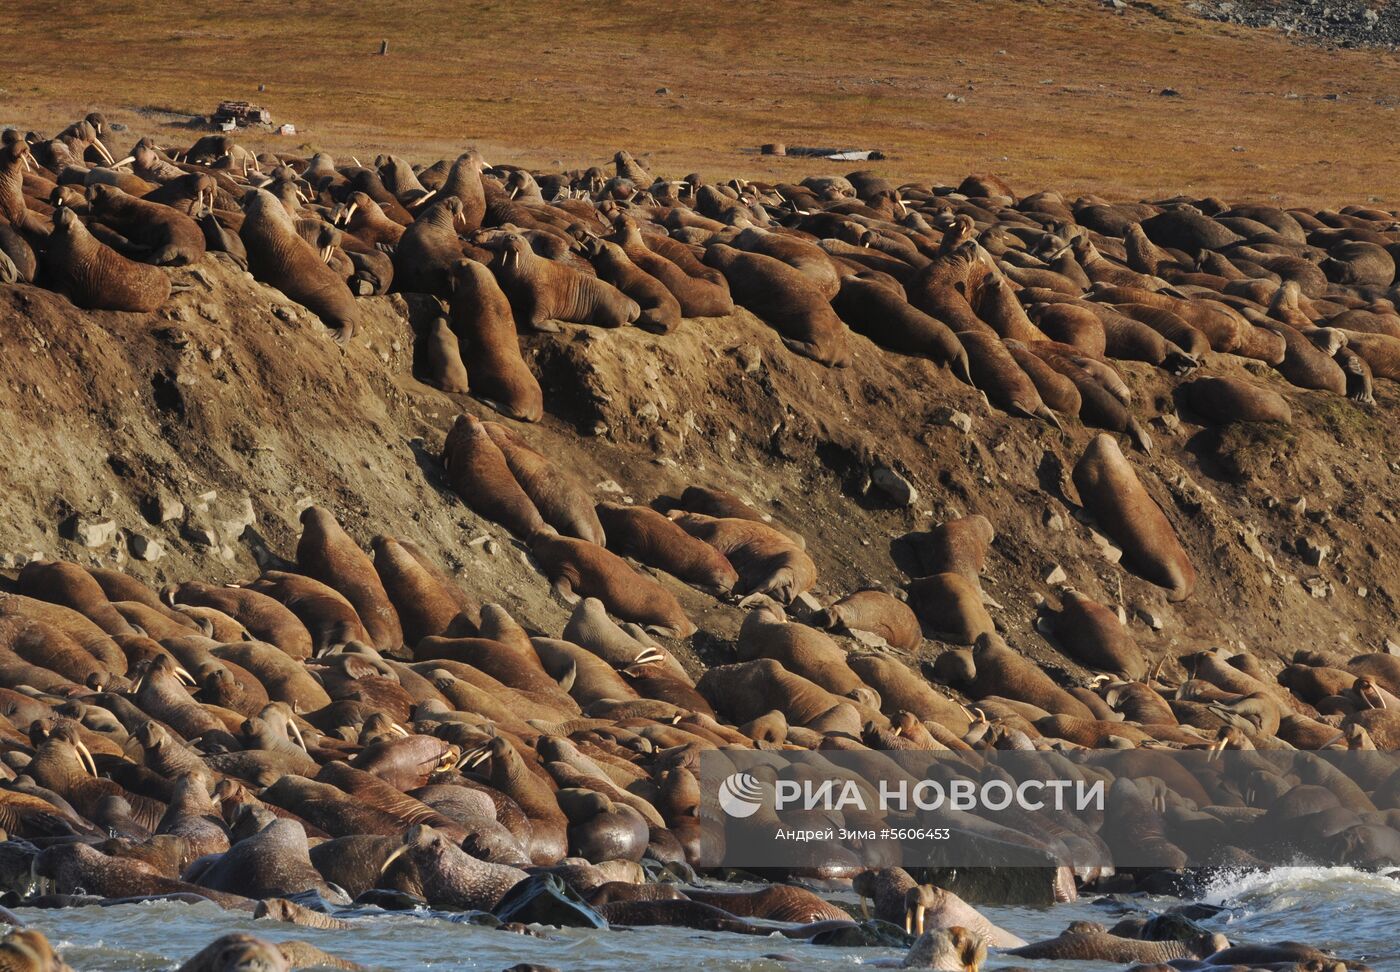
(864, 907)
(515, 192)
(474, 757)
(326, 254)
(126, 161)
(28, 162)
(356, 161)
(399, 730)
(394, 855)
(85, 757)
(647, 656)
(295, 732)
(102, 151)
(185, 676)
(426, 196)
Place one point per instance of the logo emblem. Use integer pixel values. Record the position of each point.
(740, 795)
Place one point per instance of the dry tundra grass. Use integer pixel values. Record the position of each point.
(1058, 94)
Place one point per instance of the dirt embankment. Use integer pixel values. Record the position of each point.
(197, 435)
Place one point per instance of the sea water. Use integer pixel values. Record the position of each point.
(1354, 912)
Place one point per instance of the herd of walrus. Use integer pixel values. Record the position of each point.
(359, 728)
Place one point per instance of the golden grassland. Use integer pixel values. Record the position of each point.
(1063, 95)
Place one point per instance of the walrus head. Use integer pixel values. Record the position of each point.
(66, 221)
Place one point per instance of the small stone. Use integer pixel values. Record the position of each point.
(1317, 587)
(608, 486)
(1313, 551)
(1391, 647)
(163, 507)
(204, 500)
(1054, 521)
(1151, 619)
(491, 547)
(649, 414)
(869, 638)
(1169, 422)
(749, 357)
(1107, 549)
(598, 429)
(1169, 93)
(894, 485)
(200, 534)
(663, 91)
(92, 531)
(1056, 575)
(808, 602)
(284, 314)
(145, 548)
(951, 417)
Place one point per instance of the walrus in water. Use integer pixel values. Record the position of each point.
(541, 290)
(27, 950)
(238, 952)
(1112, 494)
(952, 949)
(278, 256)
(481, 319)
(96, 277)
(786, 299)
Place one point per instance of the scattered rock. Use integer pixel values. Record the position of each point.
(91, 531)
(1169, 93)
(145, 548)
(1056, 575)
(949, 416)
(1312, 550)
(894, 485)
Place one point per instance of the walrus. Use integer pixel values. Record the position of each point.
(785, 299)
(477, 472)
(1056, 390)
(996, 373)
(560, 498)
(237, 952)
(157, 234)
(541, 290)
(326, 553)
(93, 275)
(660, 311)
(325, 612)
(27, 950)
(953, 949)
(879, 614)
(578, 568)
(1112, 494)
(278, 256)
(1224, 400)
(700, 291)
(481, 319)
(464, 183)
(993, 668)
(747, 690)
(768, 561)
(1306, 365)
(429, 249)
(950, 606)
(652, 539)
(1092, 635)
(442, 358)
(1090, 941)
(767, 633)
(884, 316)
(264, 617)
(425, 605)
(956, 546)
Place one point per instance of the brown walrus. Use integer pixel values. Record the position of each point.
(768, 562)
(787, 300)
(649, 537)
(481, 319)
(1112, 494)
(478, 473)
(561, 499)
(578, 568)
(326, 553)
(96, 277)
(878, 613)
(541, 290)
(660, 311)
(155, 234)
(278, 256)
